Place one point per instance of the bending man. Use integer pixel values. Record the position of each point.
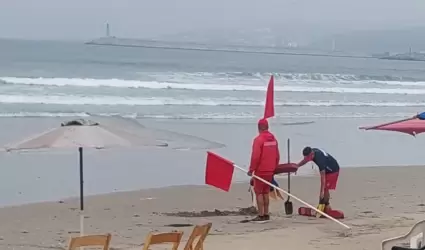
(329, 172)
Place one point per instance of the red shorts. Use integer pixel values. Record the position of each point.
(331, 181)
(261, 187)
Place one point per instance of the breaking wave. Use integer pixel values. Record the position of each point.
(161, 101)
(310, 83)
(204, 116)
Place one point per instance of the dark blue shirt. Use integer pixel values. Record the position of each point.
(325, 161)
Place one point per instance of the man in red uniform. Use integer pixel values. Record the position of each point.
(264, 160)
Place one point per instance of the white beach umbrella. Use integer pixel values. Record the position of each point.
(110, 133)
(84, 134)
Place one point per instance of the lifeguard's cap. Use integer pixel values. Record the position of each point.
(263, 123)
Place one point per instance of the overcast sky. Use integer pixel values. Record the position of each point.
(85, 19)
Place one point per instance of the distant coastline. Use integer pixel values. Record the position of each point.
(410, 56)
(403, 58)
(138, 43)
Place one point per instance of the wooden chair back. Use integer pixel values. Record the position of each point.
(102, 241)
(173, 238)
(197, 238)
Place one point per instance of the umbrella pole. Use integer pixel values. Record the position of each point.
(80, 149)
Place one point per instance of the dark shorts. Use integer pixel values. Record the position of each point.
(261, 187)
(331, 180)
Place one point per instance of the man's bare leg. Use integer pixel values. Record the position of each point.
(266, 203)
(326, 199)
(260, 204)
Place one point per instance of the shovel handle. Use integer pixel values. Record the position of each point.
(289, 160)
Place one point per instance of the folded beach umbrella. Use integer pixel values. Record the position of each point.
(412, 126)
(88, 134)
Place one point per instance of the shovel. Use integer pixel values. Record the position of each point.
(289, 209)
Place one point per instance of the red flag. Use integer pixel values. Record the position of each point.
(219, 172)
(269, 108)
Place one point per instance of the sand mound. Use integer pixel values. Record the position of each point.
(241, 212)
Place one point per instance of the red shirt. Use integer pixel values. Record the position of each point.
(265, 154)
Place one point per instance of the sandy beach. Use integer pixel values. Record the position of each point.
(379, 202)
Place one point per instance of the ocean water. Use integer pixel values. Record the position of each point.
(60, 79)
(320, 101)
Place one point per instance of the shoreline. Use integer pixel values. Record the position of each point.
(310, 174)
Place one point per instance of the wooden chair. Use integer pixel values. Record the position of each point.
(416, 238)
(90, 241)
(199, 233)
(162, 238)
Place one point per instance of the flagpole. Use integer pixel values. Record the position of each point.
(294, 197)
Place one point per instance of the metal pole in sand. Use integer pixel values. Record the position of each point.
(80, 149)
